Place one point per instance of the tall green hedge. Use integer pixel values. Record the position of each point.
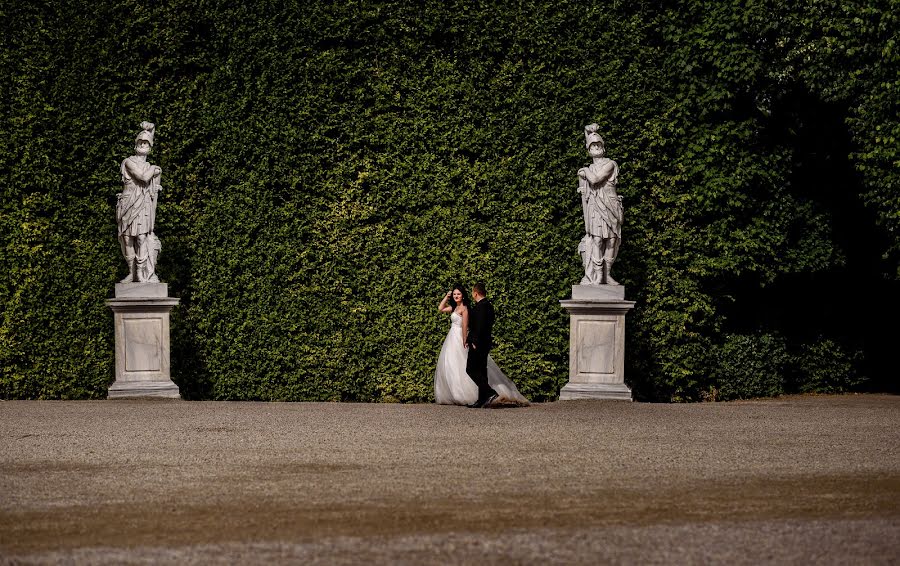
(331, 169)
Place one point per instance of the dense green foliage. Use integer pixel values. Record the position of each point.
(331, 169)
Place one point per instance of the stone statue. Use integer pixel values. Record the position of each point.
(136, 210)
(602, 212)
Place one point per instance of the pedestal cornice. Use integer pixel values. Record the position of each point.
(582, 306)
(142, 303)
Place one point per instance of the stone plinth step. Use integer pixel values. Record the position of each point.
(143, 390)
(612, 391)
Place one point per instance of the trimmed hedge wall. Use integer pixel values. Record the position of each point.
(331, 169)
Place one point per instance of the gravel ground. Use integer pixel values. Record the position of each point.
(791, 480)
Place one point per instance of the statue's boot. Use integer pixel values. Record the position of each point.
(607, 268)
(129, 259)
(143, 273)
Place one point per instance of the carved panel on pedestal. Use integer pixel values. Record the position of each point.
(596, 351)
(143, 343)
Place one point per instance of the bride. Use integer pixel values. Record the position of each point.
(452, 386)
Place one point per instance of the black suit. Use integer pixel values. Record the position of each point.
(481, 324)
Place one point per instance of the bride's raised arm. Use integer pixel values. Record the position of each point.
(444, 307)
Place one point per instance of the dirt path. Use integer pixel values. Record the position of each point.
(799, 479)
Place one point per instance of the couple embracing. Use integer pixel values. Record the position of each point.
(466, 374)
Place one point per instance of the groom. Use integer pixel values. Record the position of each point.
(481, 322)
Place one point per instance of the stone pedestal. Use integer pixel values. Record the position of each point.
(141, 314)
(597, 343)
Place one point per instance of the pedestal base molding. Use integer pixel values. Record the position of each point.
(144, 389)
(614, 391)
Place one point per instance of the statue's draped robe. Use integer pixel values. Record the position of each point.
(602, 207)
(136, 209)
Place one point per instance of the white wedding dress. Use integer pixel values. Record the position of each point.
(453, 386)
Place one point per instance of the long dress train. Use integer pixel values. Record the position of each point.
(453, 386)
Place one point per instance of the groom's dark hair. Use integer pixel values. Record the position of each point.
(479, 288)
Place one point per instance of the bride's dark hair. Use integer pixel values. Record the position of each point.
(465, 297)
